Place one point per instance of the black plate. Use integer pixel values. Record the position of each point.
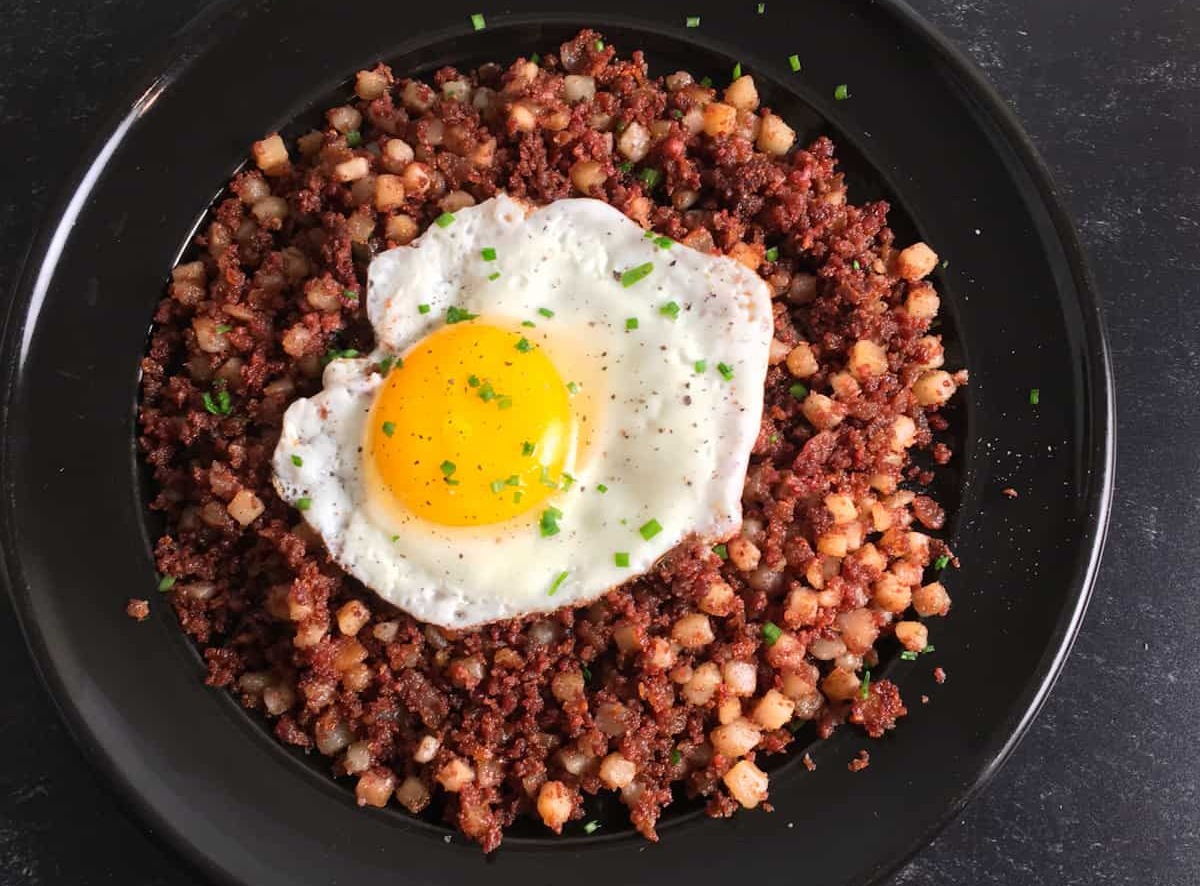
(921, 127)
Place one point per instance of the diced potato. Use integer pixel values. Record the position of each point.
(735, 739)
(270, 155)
(554, 805)
(912, 635)
(773, 710)
(775, 136)
(742, 93)
(719, 119)
(916, 261)
(746, 783)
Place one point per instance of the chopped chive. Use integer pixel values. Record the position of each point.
(621, 559)
(587, 672)
(488, 253)
(676, 757)
(692, 21)
(389, 428)
(762, 7)
(473, 380)
(649, 529)
(353, 138)
(737, 70)
(350, 294)
(941, 562)
(927, 650)
(631, 323)
(1035, 396)
(854, 264)
(303, 504)
(572, 387)
(545, 312)
(445, 220)
(496, 486)
(670, 309)
(222, 328)
(219, 405)
(774, 439)
(512, 480)
(771, 632)
(504, 403)
(599, 46)
(866, 685)
(458, 315)
(726, 371)
(524, 345)
(567, 481)
(395, 538)
(448, 468)
(794, 62)
(650, 177)
(517, 496)
(841, 92)
(625, 166)
(557, 583)
(649, 235)
(591, 827)
(706, 82)
(601, 488)
(945, 264)
(721, 551)
(529, 323)
(477, 21)
(772, 254)
(798, 391)
(677, 114)
(700, 366)
(385, 365)
(526, 448)
(664, 242)
(633, 275)
(545, 479)
(423, 309)
(494, 275)
(334, 354)
(297, 461)
(166, 583)
(908, 655)
(535, 58)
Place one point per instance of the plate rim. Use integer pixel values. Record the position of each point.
(207, 27)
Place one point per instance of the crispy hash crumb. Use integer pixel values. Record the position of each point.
(859, 763)
(138, 610)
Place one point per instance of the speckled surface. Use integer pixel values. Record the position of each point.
(1106, 787)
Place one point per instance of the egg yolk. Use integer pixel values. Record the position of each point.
(474, 427)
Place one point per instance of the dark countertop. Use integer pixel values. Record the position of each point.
(1106, 788)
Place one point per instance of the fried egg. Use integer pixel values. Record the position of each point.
(557, 398)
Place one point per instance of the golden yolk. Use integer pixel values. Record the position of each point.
(475, 427)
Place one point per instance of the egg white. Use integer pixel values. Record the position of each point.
(670, 444)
